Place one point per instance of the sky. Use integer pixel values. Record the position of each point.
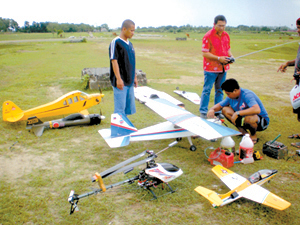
(154, 13)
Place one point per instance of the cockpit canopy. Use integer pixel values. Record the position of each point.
(260, 175)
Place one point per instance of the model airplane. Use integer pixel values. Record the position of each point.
(241, 187)
(150, 177)
(181, 124)
(76, 119)
(193, 97)
(72, 102)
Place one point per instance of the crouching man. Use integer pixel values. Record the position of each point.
(242, 108)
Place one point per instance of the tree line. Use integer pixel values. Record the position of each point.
(54, 27)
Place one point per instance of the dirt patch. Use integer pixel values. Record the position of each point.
(16, 165)
(55, 92)
(186, 80)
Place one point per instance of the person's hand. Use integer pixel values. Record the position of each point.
(120, 84)
(223, 60)
(282, 68)
(135, 81)
(211, 113)
(234, 117)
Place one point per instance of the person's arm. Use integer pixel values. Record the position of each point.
(221, 59)
(283, 66)
(212, 110)
(250, 111)
(135, 81)
(120, 83)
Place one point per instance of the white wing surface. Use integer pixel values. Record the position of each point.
(144, 93)
(193, 97)
(189, 121)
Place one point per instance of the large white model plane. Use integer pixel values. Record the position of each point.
(241, 187)
(180, 123)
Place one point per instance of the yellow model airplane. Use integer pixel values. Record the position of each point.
(241, 187)
(72, 102)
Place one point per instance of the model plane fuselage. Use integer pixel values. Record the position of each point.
(72, 102)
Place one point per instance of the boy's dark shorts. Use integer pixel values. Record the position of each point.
(262, 124)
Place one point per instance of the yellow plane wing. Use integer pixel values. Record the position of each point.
(231, 179)
(261, 195)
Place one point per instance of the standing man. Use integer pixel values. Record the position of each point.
(122, 69)
(216, 53)
(296, 64)
(242, 108)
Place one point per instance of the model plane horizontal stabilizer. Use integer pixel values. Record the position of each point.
(114, 142)
(209, 195)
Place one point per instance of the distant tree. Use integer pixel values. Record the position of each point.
(60, 33)
(26, 26)
(105, 26)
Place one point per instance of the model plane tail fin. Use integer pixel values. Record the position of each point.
(38, 131)
(119, 133)
(31, 124)
(120, 125)
(11, 112)
(210, 195)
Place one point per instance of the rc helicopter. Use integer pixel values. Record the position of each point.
(153, 175)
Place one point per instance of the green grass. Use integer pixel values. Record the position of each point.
(37, 173)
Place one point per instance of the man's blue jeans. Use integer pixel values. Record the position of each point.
(210, 79)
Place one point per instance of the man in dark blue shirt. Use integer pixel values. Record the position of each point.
(122, 69)
(242, 108)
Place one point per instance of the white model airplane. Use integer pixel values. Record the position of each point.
(241, 187)
(181, 123)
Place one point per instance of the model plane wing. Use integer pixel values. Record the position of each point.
(189, 121)
(229, 178)
(144, 93)
(261, 195)
(193, 97)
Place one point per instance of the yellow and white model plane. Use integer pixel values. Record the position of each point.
(72, 102)
(241, 187)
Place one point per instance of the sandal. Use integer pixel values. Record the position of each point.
(297, 145)
(296, 136)
(255, 141)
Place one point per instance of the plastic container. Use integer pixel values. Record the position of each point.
(246, 147)
(228, 144)
(221, 157)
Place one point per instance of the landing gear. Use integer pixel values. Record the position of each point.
(193, 148)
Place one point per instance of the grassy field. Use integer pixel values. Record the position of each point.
(37, 173)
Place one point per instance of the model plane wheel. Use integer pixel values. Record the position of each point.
(178, 139)
(193, 148)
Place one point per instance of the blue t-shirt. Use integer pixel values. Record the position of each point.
(246, 100)
(124, 53)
